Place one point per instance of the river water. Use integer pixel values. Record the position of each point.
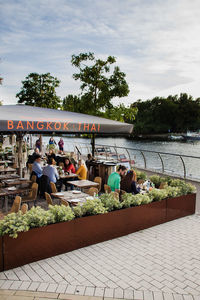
(172, 164)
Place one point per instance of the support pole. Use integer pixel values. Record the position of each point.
(93, 144)
(20, 143)
(41, 143)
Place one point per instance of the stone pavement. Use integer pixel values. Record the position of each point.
(159, 263)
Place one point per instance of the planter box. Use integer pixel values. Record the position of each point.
(54, 239)
(181, 207)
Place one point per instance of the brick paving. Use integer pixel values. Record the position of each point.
(159, 263)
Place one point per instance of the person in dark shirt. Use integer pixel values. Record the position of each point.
(128, 183)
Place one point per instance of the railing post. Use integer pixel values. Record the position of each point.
(163, 167)
(145, 163)
(128, 155)
(184, 168)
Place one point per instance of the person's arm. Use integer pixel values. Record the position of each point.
(117, 185)
(56, 174)
(134, 188)
(79, 171)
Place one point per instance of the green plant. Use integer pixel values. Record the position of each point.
(184, 188)
(135, 200)
(140, 175)
(158, 195)
(38, 217)
(110, 202)
(172, 192)
(90, 207)
(61, 213)
(12, 224)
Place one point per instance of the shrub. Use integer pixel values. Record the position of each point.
(12, 224)
(135, 200)
(140, 175)
(110, 202)
(38, 217)
(184, 188)
(90, 207)
(172, 192)
(61, 213)
(158, 195)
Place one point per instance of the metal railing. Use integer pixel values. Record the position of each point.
(184, 166)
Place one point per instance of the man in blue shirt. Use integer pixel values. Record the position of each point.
(36, 166)
(51, 171)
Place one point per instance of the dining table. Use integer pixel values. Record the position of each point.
(8, 176)
(72, 197)
(12, 191)
(68, 176)
(7, 170)
(16, 181)
(83, 184)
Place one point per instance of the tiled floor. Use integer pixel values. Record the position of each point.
(159, 263)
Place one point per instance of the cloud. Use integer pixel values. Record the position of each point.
(156, 43)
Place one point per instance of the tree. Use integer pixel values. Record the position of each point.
(121, 113)
(72, 103)
(99, 85)
(39, 90)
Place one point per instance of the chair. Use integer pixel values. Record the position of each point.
(64, 202)
(44, 186)
(99, 181)
(33, 178)
(163, 185)
(115, 194)
(107, 189)
(92, 191)
(30, 167)
(32, 196)
(53, 187)
(24, 208)
(16, 205)
(48, 199)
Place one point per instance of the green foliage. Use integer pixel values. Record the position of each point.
(184, 188)
(99, 84)
(172, 192)
(110, 202)
(161, 115)
(12, 224)
(39, 90)
(121, 113)
(158, 195)
(90, 207)
(61, 213)
(135, 200)
(140, 175)
(38, 217)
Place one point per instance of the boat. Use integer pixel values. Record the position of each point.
(192, 136)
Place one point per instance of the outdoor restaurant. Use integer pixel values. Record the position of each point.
(68, 201)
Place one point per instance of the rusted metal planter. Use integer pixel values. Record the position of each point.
(54, 239)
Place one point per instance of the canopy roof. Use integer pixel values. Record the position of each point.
(24, 118)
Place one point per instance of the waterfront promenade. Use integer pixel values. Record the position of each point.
(159, 263)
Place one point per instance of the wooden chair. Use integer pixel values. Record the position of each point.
(48, 199)
(115, 194)
(32, 196)
(24, 208)
(99, 181)
(30, 167)
(163, 185)
(140, 181)
(53, 187)
(64, 202)
(33, 178)
(16, 205)
(107, 189)
(92, 191)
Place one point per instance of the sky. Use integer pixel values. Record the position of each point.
(155, 42)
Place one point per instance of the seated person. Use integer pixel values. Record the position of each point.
(128, 183)
(51, 172)
(115, 178)
(90, 159)
(82, 170)
(31, 157)
(51, 154)
(68, 166)
(36, 168)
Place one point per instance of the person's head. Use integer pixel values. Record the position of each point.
(50, 161)
(37, 158)
(121, 170)
(37, 150)
(89, 156)
(81, 162)
(129, 176)
(67, 161)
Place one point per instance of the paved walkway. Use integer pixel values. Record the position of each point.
(159, 263)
